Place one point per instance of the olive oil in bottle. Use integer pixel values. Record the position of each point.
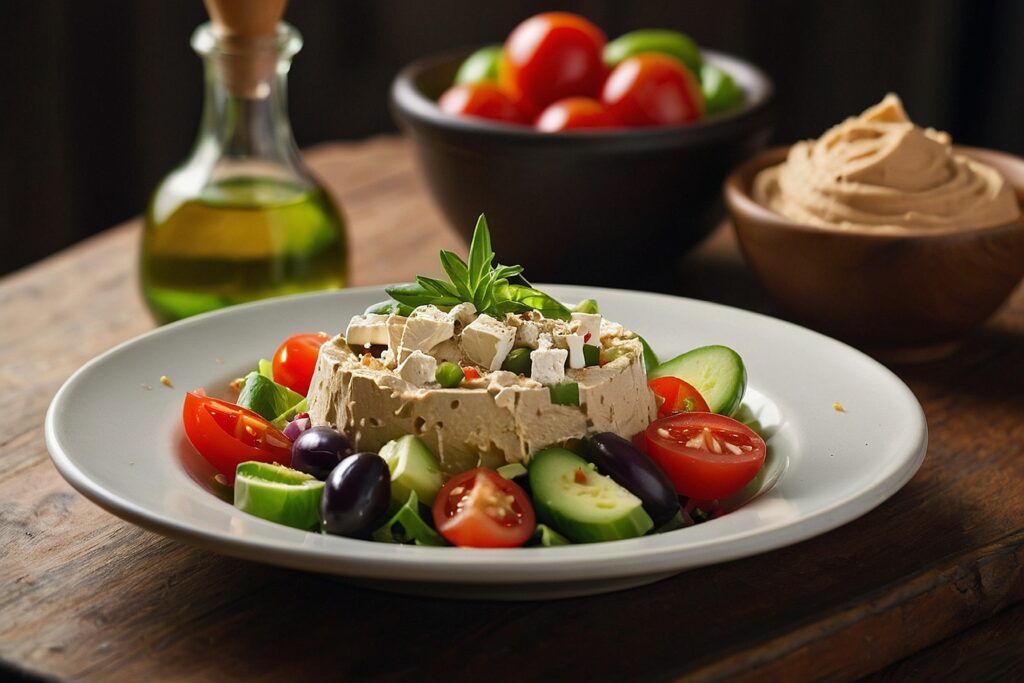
(242, 218)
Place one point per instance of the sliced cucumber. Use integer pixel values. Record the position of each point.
(565, 394)
(278, 494)
(585, 506)
(413, 468)
(717, 372)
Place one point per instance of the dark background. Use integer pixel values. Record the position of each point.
(102, 97)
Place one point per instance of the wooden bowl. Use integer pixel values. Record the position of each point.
(606, 207)
(906, 296)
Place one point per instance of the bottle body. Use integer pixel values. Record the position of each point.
(243, 218)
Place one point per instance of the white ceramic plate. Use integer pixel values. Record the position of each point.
(115, 434)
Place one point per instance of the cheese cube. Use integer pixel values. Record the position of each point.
(486, 341)
(590, 323)
(574, 344)
(396, 327)
(548, 365)
(463, 313)
(418, 369)
(427, 327)
(367, 330)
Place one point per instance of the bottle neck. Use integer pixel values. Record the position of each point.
(245, 127)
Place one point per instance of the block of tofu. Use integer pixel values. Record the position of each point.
(500, 418)
(487, 341)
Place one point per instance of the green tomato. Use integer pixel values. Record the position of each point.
(480, 66)
(720, 92)
(671, 43)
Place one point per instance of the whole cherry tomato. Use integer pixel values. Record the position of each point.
(574, 112)
(652, 89)
(551, 56)
(484, 100)
(295, 360)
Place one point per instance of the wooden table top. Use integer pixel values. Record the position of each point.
(910, 590)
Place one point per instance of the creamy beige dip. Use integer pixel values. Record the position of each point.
(881, 171)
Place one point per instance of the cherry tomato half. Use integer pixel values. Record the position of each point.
(481, 509)
(484, 100)
(707, 456)
(677, 396)
(572, 113)
(295, 360)
(653, 89)
(226, 434)
(551, 56)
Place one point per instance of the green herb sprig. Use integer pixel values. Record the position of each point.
(479, 282)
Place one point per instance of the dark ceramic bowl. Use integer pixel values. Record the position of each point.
(612, 207)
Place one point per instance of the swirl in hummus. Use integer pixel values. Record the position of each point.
(880, 171)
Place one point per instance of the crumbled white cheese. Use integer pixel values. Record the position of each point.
(396, 327)
(574, 344)
(463, 313)
(365, 330)
(427, 327)
(544, 342)
(527, 335)
(547, 365)
(487, 341)
(589, 323)
(418, 369)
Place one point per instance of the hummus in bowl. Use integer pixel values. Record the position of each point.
(882, 233)
(880, 171)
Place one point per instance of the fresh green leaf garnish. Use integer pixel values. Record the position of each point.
(479, 282)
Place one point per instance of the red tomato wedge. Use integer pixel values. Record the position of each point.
(481, 509)
(295, 360)
(226, 434)
(676, 396)
(707, 456)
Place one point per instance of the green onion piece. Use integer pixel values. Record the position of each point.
(512, 470)
(565, 394)
(266, 368)
(278, 494)
(591, 355)
(518, 361)
(547, 537)
(407, 526)
(449, 375)
(587, 306)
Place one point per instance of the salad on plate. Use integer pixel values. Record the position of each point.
(479, 411)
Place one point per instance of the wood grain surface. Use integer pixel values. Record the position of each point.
(903, 592)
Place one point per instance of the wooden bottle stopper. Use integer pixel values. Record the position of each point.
(246, 32)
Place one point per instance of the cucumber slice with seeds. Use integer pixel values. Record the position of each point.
(587, 507)
(717, 372)
(278, 494)
(413, 468)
